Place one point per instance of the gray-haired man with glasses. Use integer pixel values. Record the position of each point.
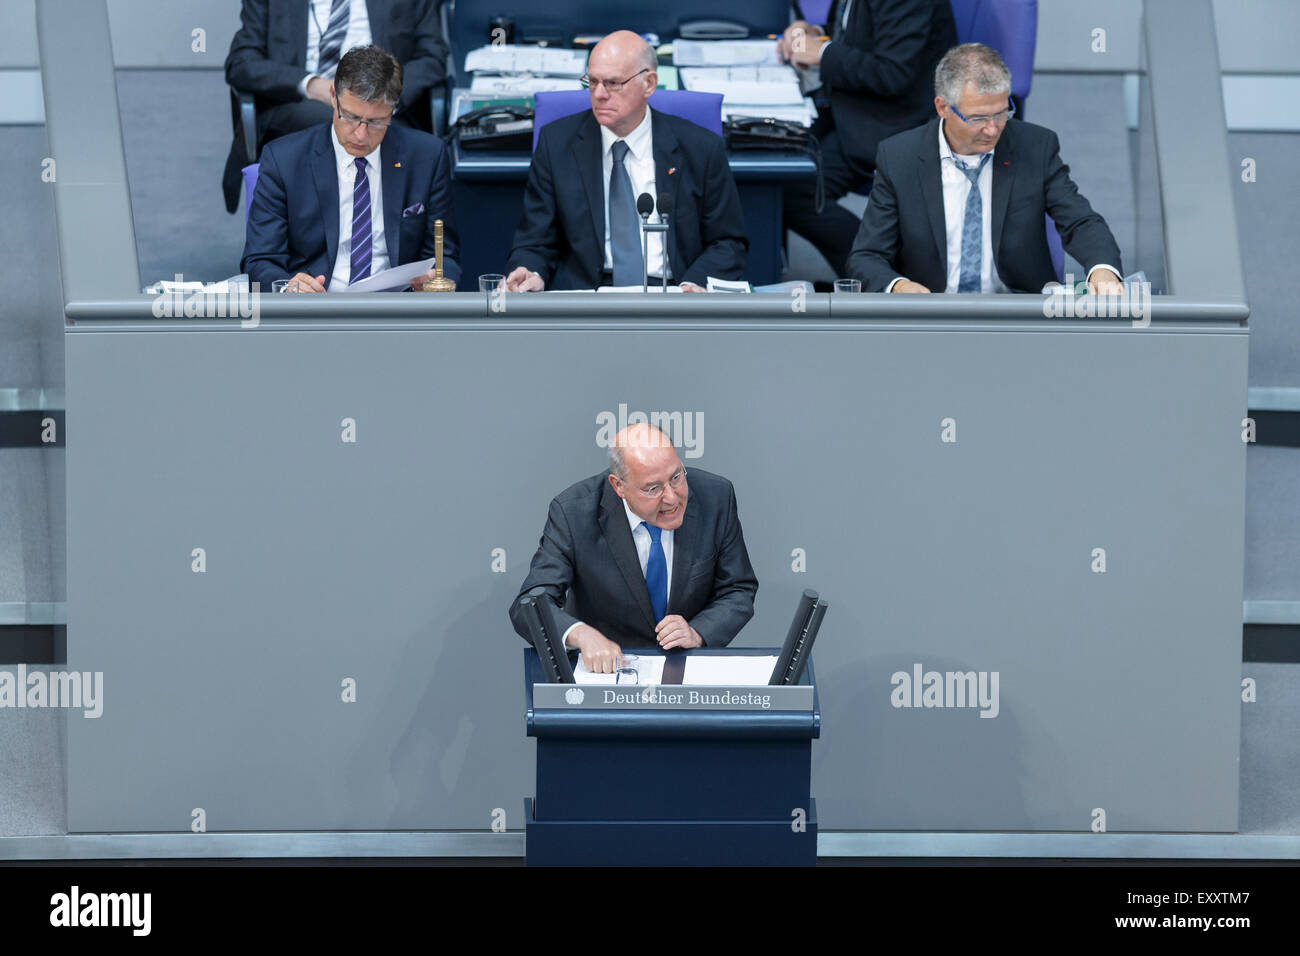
(630, 565)
(343, 201)
(959, 204)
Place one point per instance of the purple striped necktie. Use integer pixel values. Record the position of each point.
(331, 41)
(360, 224)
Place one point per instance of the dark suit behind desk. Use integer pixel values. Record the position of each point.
(904, 233)
(293, 224)
(561, 234)
(268, 58)
(587, 557)
(878, 76)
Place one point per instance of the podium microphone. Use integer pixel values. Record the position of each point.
(645, 205)
(665, 210)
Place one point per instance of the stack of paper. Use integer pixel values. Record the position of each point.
(540, 60)
(724, 53)
(524, 70)
(754, 91)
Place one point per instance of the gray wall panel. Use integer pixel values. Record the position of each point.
(371, 560)
(18, 35)
(159, 33)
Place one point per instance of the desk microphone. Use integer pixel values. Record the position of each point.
(645, 205)
(665, 211)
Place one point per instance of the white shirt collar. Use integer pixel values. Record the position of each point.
(344, 160)
(634, 520)
(638, 141)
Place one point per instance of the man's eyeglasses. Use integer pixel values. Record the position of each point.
(611, 86)
(1002, 117)
(678, 482)
(352, 122)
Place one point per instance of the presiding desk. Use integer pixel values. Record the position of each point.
(489, 194)
(296, 543)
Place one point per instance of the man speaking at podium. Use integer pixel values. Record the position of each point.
(580, 227)
(638, 566)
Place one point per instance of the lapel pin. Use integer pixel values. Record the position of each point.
(671, 170)
(397, 165)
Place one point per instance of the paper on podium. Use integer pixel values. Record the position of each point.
(728, 671)
(390, 280)
(649, 670)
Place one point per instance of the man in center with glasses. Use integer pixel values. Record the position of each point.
(580, 228)
(340, 202)
(630, 565)
(958, 204)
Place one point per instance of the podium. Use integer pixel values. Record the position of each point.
(671, 774)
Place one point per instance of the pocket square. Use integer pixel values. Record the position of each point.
(413, 210)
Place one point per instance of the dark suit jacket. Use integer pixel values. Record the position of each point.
(293, 224)
(879, 75)
(587, 555)
(561, 235)
(903, 232)
(269, 53)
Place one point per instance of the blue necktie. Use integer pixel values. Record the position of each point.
(972, 229)
(656, 573)
(331, 41)
(624, 236)
(360, 224)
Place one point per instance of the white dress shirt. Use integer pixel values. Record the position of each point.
(345, 165)
(956, 189)
(641, 538)
(318, 18)
(640, 165)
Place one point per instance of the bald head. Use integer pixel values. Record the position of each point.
(622, 49)
(629, 63)
(646, 472)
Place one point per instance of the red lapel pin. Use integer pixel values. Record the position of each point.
(671, 170)
(397, 165)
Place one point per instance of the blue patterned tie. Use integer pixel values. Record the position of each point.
(972, 229)
(331, 41)
(624, 236)
(360, 224)
(656, 573)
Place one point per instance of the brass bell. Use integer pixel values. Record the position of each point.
(438, 282)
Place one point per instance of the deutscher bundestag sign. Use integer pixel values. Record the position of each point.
(670, 697)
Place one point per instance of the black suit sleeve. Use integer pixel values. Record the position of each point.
(901, 31)
(266, 243)
(1084, 232)
(734, 586)
(534, 245)
(722, 226)
(437, 206)
(427, 66)
(874, 250)
(552, 568)
(248, 65)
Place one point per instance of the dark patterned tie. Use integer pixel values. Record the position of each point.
(624, 236)
(360, 224)
(972, 229)
(331, 41)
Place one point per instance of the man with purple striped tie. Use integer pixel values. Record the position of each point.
(286, 52)
(345, 200)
